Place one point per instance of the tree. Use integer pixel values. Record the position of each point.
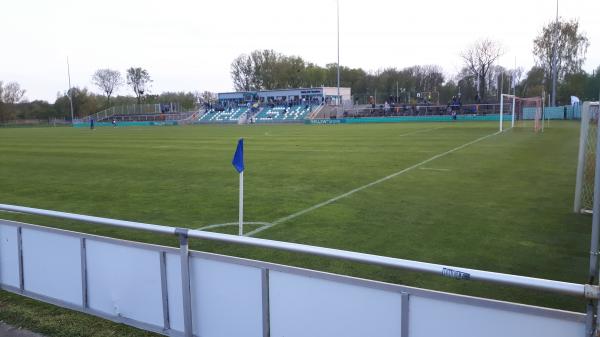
(108, 81)
(592, 91)
(571, 47)
(208, 97)
(479, 58)
(84, 103)
(242, 73)
(573, 85)
(139, 80)
(533, 84)
(11, 93)
(466, 83)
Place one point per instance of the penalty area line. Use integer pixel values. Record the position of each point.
(358, 189)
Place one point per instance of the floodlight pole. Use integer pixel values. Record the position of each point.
(338, 57)
(69, 93)
(554, 58)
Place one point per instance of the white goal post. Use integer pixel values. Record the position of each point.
(513, 99)
(520, 109)
(584, 184)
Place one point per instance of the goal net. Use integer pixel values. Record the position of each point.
(586, 162)
(524, 112)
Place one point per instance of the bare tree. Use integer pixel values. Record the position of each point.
(11, 93)
(208, 97)
(479, 58)
(139, 80)
(242, 73)
(108, 81)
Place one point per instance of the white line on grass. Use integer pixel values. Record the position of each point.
(11, 212)
(234, 224)
(434, 169)
(419, 131)
(268, 224)
(334, 199)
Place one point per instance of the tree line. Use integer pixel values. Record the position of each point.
(14, 105)
(480, 79)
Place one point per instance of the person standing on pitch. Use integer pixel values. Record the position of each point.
(91, 124)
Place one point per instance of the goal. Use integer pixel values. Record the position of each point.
(527, 112)
(586, 161)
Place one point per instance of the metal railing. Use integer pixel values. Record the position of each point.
(559, 287)
(134, 109)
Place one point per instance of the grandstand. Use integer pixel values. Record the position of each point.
(284, 114)
(229, 115)
(266, 114)
(272, 106)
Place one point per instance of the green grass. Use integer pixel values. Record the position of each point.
(502, 204)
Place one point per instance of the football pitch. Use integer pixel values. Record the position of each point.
(460, 194)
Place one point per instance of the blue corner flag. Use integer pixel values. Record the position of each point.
(238, 157)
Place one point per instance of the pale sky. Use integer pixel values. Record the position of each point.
(189, 45)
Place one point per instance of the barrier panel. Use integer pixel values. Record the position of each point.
(144, 285)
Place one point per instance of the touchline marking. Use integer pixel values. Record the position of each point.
(334, 199)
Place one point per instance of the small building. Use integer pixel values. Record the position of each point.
(319, 95)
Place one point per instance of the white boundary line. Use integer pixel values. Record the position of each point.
(234, 224)
(268, 224)
(419, 131)
(1, 210)
(334, 199)
(434, 169)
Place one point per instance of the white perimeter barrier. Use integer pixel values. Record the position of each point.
(143, 285)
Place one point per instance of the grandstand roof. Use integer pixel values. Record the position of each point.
(345, 92)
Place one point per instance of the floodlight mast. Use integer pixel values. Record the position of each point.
(69, 93)
(339, 99)
(554, 57)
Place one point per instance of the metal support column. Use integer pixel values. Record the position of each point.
(20, 252)
(265, 303)
(404, 317)
(164, 290)
(84, 282)
(583, 132)
(185, 281)
(592, 307)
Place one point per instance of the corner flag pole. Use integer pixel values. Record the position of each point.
(241, 207)
(238, 163)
